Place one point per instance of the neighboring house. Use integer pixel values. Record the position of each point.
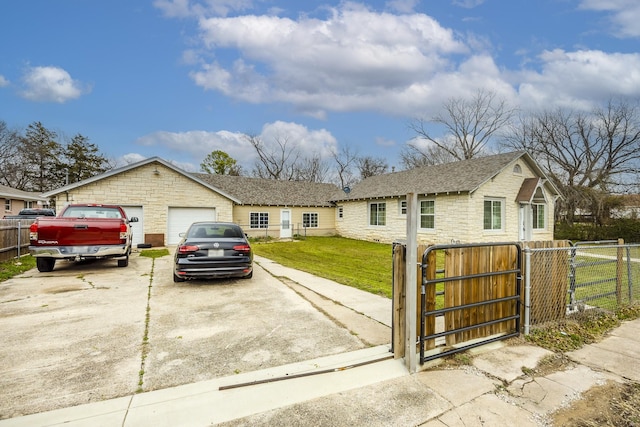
(14, 200)
(166, 199)
(505, 197)
(629, 207)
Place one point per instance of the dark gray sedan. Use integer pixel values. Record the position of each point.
(210, 250)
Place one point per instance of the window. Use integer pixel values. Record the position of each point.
(427, 214)
(493, 214)
(259, 220)
(517, 169)
(340, 212)
(403, 207)
(378, 214)
(7, 204)
(538, 216)
(310, 220)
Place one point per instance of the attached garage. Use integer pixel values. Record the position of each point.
(180, 218)
(137, 227)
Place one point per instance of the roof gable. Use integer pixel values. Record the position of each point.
(132, 166)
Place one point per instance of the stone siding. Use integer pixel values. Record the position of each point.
(156, 192)
(458, 217)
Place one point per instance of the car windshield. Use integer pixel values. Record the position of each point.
(209, 231)
(91, 212)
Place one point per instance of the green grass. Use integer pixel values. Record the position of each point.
(13, 267)
(154, 253)
(363, 265)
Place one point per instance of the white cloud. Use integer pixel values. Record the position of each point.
(3, 81)
(402, 6)
(352, 60)
(187, 8)
(625, 15)
(50, 84)
(405, 65)
(576, 79)
(468, 4)
(197, 144)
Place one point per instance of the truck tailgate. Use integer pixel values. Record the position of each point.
(79, 231)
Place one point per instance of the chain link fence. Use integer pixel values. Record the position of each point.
(573, 278)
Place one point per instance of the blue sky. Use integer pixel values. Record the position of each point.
(181, 78)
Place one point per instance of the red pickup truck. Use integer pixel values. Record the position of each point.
(81, 231)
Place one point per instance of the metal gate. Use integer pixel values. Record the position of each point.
(470, 296)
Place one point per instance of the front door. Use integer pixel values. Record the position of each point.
(285, 224)
(525, 222)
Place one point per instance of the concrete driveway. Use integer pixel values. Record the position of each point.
(91, 331)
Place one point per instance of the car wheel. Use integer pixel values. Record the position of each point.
(45, 264)
(123, 262)
(177, 279)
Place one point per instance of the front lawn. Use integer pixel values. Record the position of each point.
(356, 263)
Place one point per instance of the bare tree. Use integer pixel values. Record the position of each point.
(587, 154)
(346, 160)
(312, 169)
(412, 156)
(276, 161)
(12, 173)
(470, 124)
(371, 166)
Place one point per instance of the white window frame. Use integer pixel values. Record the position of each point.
(340, 213)
(421, 215)
(261, 220)
(501, 211)
(378, 214)
(7, 205)
(402, 207)
(309, 222)
(535, 215)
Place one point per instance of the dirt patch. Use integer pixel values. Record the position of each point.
(612, 404)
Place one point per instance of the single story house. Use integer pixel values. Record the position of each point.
(497, 198)
(167, 199)
(15, 200)
(504, 197)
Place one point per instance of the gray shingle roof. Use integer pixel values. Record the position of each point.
(270, 192)
(12, 193)
(457, 177)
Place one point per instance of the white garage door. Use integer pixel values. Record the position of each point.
(181, 218)
(137, 227)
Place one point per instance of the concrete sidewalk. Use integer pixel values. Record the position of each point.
(367, 387)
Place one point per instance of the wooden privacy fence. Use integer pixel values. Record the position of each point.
(14, 238)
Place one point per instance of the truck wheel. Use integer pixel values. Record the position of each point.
(45, 265)
(123, 262)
